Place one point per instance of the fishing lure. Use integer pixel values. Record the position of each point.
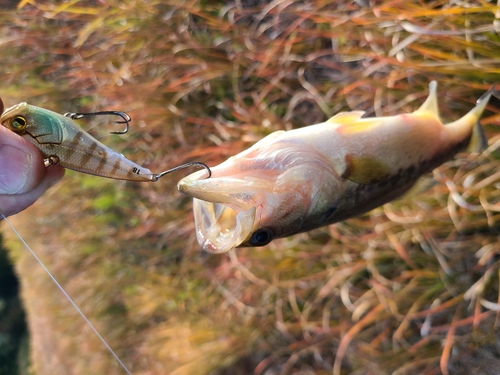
(62, 141)
(295, 181)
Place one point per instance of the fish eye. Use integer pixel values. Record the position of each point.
(18, 123)
(261, 237)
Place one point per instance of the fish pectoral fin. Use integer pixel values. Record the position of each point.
(430, 106)
(478, 141)
(346, 118)
(364, 170)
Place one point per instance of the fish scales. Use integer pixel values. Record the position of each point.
(295, 181)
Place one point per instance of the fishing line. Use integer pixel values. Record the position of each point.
(68, 297)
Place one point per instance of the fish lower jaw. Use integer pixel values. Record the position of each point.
(219, 228)
(215, 243)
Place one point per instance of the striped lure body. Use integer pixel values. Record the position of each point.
(62, 141)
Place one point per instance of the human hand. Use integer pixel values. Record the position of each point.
(23, 176)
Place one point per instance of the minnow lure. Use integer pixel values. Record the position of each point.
(62, 141)
(295, 181)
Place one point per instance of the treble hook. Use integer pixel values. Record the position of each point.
(126, 118)
(156, 177)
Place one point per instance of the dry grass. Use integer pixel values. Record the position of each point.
(413, 287)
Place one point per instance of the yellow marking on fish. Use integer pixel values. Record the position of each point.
(346, 118)
(361, 126)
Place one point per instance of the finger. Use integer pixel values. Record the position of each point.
(21, 164)
(13, 204)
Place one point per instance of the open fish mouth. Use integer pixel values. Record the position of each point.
(220, 228)
(224, 209)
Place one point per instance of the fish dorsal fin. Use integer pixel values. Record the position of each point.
(364, 170)
(346, 118)
(430, 106)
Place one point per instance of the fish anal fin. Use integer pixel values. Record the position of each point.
(364, 170)
(478, 141)
(430, 106)
(346, 118)
(423, 184)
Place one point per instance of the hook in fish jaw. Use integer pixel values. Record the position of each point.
(125, 116)
(156, 177)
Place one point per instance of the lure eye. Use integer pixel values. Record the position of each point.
(18, 123)
(261, 237)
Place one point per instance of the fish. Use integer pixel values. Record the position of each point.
(62, 141)
(295, 181)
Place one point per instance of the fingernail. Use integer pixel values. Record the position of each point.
(15, 166)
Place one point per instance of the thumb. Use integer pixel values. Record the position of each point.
(21, 164)
(15, 167)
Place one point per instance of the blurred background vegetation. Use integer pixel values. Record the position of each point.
(410, 288)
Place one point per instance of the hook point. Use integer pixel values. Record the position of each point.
(125, 116)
